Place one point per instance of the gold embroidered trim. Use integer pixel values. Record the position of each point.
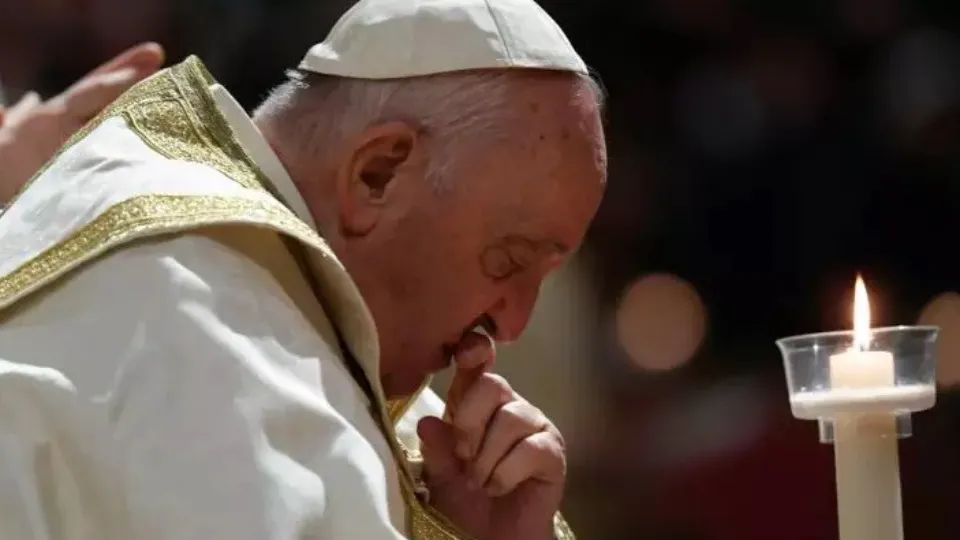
(396, 408)
(425, 522)
(142, 217)
(561, 530)
(173, 113)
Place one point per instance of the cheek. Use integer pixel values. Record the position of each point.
(443, 282)
(452, 290)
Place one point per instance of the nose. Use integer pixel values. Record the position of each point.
(513, 310)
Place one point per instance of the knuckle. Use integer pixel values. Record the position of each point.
(541, 445)
(547, 447)
(500, 477)
(498, 385)
(549, 453)
(516, 408)
(465, 423)
(520, 415)
(559, 440)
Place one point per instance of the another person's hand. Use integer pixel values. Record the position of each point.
(496, 467)
(32, 130)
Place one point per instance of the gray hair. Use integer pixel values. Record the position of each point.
(315, 112)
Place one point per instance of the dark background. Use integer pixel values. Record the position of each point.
(764, 151)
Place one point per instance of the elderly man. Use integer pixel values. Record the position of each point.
(222, 328)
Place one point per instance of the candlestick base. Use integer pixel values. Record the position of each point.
(862, 395)
(829, 377)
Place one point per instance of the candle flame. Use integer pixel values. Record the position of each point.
(861, 315)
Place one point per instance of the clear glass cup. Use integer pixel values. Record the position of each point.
(828, 375)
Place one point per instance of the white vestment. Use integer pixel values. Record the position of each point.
(167, 368)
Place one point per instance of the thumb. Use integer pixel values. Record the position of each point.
(438, 442)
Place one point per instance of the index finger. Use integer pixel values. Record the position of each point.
(145, 55)
(474, 356)
(88, 96)
(475, 351)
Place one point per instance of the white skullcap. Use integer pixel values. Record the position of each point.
(388, 39)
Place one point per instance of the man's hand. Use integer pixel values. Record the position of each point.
(496, 467)
(32, 130)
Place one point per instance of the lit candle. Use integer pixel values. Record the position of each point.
(860, 368)
(865, 444)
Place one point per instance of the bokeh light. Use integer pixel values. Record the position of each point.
(661, 322)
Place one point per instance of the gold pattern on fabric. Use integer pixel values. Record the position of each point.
(187, 125)
(561, 530)
(174, 113)
(397, 407)
(141, 217)
(424, 521)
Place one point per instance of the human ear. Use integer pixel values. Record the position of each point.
(368, 179)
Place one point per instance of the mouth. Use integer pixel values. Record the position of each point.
(450, 350)
(483, 325)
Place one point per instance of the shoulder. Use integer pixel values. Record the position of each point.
(236, 277)
(233, 291)
(203, 267)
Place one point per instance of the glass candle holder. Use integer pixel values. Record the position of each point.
(829, 375)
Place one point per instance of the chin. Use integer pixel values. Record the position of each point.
(403, 383)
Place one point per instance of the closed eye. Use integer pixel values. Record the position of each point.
(499, 264)
(514, 254)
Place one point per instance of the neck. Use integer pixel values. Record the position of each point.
(309, 179)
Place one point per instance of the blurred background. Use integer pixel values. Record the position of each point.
(762, 153)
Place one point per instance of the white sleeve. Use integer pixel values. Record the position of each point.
(183, 388)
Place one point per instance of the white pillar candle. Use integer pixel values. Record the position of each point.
(865, 445)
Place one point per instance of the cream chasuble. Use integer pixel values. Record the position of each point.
(170, 345)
